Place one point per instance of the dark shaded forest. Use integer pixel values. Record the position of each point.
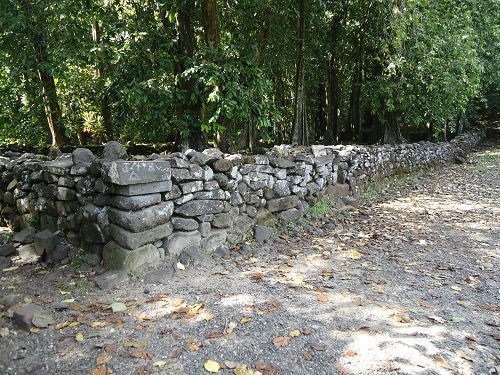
(239, 74)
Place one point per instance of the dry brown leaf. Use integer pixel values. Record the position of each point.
(280, 341)
(135, 344)
(195, 347)
(214, 335)
(141, 354)
(294, 333)
(102, 370)
(79, 337)
(306, 330)
(490, 308)
(441, 362)
(401, 319)
(102, 359)
(462, 355)
(322, 298)
(351, 353)
(245, 319)
(308, 357)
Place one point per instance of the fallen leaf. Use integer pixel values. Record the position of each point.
(231, 326)
(34, 330)
(354, 254)
(308, 357)
(244, 370)
(98, 324)
(4, 332)
(322, 298)
(214, 335)
(160, 363)
(64, 292)
(462, 355)
(294, 333)
(280, 341)
(351, 353)
(212, 366)
(246, 319)
(490, 308)
(102, 359)
(8, 269)
(135, 344)
(306, 330)
(141, 354)
(318, 347)
(99, 371)
(441, 362)
(195, 347)
(118, 307)
(401, 319)
(79, 337)
(437, 319)
(456, 288)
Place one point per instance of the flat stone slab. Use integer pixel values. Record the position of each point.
(136, 172)
(135, 202)
(200, 207)
(111, 279)
(179, 241)
(116, 257)
(142, 189)
(282, 204)
(131, 240)
(141, 220)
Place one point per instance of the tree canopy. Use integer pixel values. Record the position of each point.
(237, 74)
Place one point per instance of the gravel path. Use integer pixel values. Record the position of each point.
(406, 283)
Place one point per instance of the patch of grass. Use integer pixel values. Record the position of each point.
(382, 188)
(320, 209)
(488, 161)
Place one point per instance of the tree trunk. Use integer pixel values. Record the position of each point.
(210, 20)
(99, 74)
(392, 133)
(354, 130)
(187, 111)
(334, 98)
(300, 136)
(445, 131)
(50, 99)
(320, 118)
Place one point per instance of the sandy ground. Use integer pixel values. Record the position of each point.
(406, 283)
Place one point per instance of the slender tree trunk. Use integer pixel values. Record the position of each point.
(279, 102)
(334, 98)
(99, 74)
(445, 131)
(50, 99)
(300, 135)
(320, 120)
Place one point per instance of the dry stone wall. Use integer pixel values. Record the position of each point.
(137, 210)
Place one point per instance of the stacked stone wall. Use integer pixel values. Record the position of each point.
(136, 210)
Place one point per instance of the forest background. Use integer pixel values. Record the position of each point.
(240, 74)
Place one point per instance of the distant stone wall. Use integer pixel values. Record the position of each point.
(136, 210)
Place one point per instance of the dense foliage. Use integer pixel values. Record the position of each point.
(239, 73)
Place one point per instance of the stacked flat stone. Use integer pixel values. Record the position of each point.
(139, 217)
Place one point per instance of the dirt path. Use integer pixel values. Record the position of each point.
(407, 283)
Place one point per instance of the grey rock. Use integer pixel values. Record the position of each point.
(142, 189)
(42, 320)
(113, 151)
(181, 223)
(350, 201)
(251, 211)
(200, 207)
(11, 299)
(116, 257)
(205, 228)
(281, 204)
(136, 172)
(222, 220)
(57, 254)
(25, 236)
(290, 215)
(91, 259)
(218, 194)
(46, 241)
(184, 198)
(28, 254)
(281, 188)
(54, 153)
(160, 276)
(178, 241)
(197, 157)
(59, 167)
(173, 194)
(222, 165)
(191, 187)
(135, 202)
(23, 315)
(131, 240)
(211, 185)
(5, 262)
(111, 279)
(263, 234)
(91, 232)
(222, 251)
(180, 174)
(66, 181)
(82, 156)
(217, 238)
(65, 194)
(141, 220)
